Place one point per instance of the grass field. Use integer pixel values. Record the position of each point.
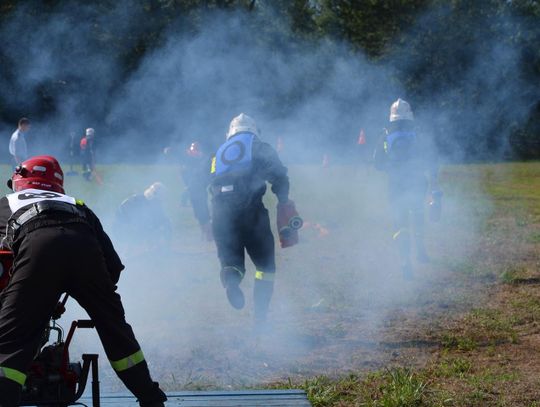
(344, 324)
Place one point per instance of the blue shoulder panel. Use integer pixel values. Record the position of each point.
(235, 154)
(393, 137)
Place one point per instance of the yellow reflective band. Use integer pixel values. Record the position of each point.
(213, 166)
(385, 147)
(12, 374)
(126, 363)
(79, 202)
(261, 275)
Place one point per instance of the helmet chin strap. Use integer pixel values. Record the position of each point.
(10, 184)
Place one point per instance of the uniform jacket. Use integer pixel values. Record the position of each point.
(405, 156)
(237, 175)
(14, 205)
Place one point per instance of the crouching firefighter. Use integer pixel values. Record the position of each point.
(59, 246)
(239, 172)
(409, 162)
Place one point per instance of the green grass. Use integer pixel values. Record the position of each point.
(397, 387)
(458, 367)
(513, 274)
(488, 237)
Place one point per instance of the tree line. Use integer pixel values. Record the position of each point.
(459, 56)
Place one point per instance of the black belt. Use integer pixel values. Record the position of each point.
(41, 207)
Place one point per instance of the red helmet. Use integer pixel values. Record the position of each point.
(41, 172)
(194, 150)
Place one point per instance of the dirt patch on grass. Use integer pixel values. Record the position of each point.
(473, 339)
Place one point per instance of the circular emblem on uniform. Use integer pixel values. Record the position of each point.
(233, 153)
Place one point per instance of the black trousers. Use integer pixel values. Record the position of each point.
(49, 262)
(406, 200)
(248, 229)
(236, 231)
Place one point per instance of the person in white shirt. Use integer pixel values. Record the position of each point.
(17, 144)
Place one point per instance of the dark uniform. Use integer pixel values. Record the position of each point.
(87, 156)
(144, 221)
(407, 159)
(194, 169)
(59, 246)
(238, 176)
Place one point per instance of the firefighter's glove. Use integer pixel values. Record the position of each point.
(58, 311)
(288, 223)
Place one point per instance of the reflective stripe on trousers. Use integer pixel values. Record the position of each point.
(13, 374)
(261, 275)
(127, 362)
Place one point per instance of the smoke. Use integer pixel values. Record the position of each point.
(334, 290)
(474, 88)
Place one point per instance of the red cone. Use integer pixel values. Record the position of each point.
(361, 138)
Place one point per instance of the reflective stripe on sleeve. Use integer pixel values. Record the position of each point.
(12, 374)
(261, 275)
(127, 362)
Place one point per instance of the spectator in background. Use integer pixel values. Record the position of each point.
(194, 167)
(87, 153)
(17, 143)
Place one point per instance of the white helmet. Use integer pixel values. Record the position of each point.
(400, 110)
(90, 132)
(242, 123)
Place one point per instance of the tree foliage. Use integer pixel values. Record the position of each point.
(434, 47)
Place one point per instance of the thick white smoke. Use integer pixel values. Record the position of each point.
(334, 290)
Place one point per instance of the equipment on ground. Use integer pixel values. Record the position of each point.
(288, 224)
(53, 380)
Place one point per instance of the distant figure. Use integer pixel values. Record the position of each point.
(407, 159)
(17, 144)
(190, 164)
(87, 154)
(141, 220)
(240, 223)
(194, 168)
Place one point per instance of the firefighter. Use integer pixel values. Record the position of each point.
(87, 153)
(238, 175)
(59, 246)
(194, 169)
(141, 218)
(409, 162)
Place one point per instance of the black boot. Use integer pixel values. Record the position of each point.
(231, 277)
(262, 294)
(138, 381)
